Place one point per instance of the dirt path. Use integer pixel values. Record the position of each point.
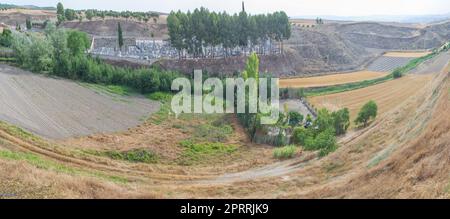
(58, 108)
(290, 166)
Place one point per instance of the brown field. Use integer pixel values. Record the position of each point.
(28, 12)
(387, 95)
(328, 80)
(406, 54)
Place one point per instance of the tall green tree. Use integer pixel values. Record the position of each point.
(120, 35)
(77, 42)
(368, 112)
(28, 24)
(341, 121)
(60, 13)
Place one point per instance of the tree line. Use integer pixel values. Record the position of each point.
(71, 14)
(62, 53)
(201, 30)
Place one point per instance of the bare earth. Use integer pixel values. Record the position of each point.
(57, 108)
(406, 54)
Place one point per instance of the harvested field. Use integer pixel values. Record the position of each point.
(327, 80)
(387, 95)
(406, 54)
(57, 108)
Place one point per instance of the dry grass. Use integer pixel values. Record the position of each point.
(406, 54)
(327, 80)
(28, 12)
(387, 95)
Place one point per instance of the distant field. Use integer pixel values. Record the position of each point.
(406, 54)
(327, 80)
(28, 12)
(387, 95)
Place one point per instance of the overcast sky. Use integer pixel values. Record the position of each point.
(291, 7)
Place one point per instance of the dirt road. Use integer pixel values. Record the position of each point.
(57, 108)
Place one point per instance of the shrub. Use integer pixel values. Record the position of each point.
(367, 112)
(323, 141)
(285, 152)
(295, 118)
(397, 73)
(300, 134)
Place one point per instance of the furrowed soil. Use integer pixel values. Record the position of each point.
(57, 108)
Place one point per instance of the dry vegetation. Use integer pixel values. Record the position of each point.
(387, 95)
(327, 80)
(406, 54)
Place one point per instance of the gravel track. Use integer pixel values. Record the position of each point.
(58, 108)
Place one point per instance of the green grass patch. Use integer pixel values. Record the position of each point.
(18, 132)
(198, 152)
(160, 96)
(134, 156)
(285, 152)
(7, 59)
(45, 164)
(215, 132)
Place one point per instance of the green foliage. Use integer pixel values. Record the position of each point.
(193, 31)
(367, 112)
(77, 42)
(295, 118)
(213, 132)
(324, 121)
(324, 141)
(252, 67)
(60, 13)
(28, 23)
(160, 96)
(397, 73)
(62, 53)
(197, 152)
(6, 38)
(70, 14)
(120, 35)
(285, 152)
(341, 121)
(300, 135)
(135, 156)
(33, 52)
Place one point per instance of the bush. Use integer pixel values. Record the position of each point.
(397, 73)
(295, 118)
(6, 38)
(368, 112)
(285, 152)
(324, 141)
(300, 134)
